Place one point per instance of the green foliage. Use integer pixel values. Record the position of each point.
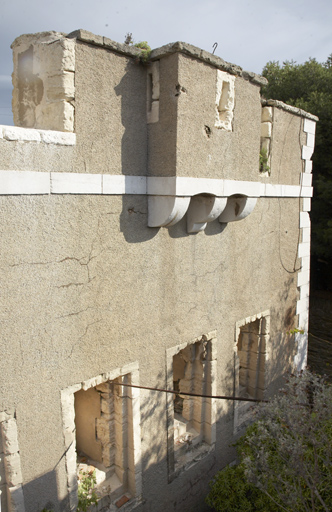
(142, 45)
(146, 51)
(263, 161)
(295, 331)
(231, 492)
(285, 456)
(87, 494)
(309, 86)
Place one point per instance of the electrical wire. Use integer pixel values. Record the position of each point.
(320, 339)
(220, 397)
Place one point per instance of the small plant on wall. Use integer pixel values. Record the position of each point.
(87, 494)
(142, 45)
(146, 51)
(263, 161)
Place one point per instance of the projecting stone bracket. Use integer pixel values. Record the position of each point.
(238, 207)
(204, 209)
(165, 211)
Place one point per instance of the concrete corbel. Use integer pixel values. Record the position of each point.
(166, 210)
(204, 209)
(237, 208)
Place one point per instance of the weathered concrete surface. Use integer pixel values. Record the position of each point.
(64, 265)
(88, 287)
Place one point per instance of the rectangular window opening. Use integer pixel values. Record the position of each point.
(191, 428)
(153, 93)
(251, 347)
(107, 438)
(225, 101)
(149, 91)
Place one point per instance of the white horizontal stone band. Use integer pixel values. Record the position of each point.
(15, 133)
(33, 182)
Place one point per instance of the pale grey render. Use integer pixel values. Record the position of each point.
(142, 246)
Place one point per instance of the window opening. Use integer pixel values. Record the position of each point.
(149, 91)
(103, 437)
(101, 421)
(191, 429)
(251, 366)
(153, 92)
(225, 100)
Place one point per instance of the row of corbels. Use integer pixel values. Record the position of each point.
(165, 211)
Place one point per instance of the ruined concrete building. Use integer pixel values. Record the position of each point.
(155, 232)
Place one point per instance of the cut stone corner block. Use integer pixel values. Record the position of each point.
(237, 208)
(43, 81)
(267, 114)
(300, 360)
(203, 209)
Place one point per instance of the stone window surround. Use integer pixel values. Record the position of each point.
(266, 133)
(211, 415)
(11, 479)
(153, 93)
(241, 409)
(225, 100)
(68, 417)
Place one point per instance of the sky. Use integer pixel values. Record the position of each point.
(249, 33)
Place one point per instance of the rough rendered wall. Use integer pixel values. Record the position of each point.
(110, 106)
(67, 315)
(163, 134)
(110, 119)
(203, 150)
(286, 144)
(88, 288)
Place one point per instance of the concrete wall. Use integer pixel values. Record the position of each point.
(88, 287)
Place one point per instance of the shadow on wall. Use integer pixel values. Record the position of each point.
(188, 490)
(42, 493)
(134, 222)
(134, 219)
(283, 343)
(132, 90)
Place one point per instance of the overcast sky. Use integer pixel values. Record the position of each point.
(248, 32)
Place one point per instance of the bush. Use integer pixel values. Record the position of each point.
(87, 494)
(231, 492)
(285, 456)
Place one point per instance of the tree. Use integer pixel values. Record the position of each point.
(286, 455)
(309, 86)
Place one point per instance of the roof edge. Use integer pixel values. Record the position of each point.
(289, 108)
(158, 53)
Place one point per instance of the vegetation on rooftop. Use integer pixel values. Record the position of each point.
(142, 45)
